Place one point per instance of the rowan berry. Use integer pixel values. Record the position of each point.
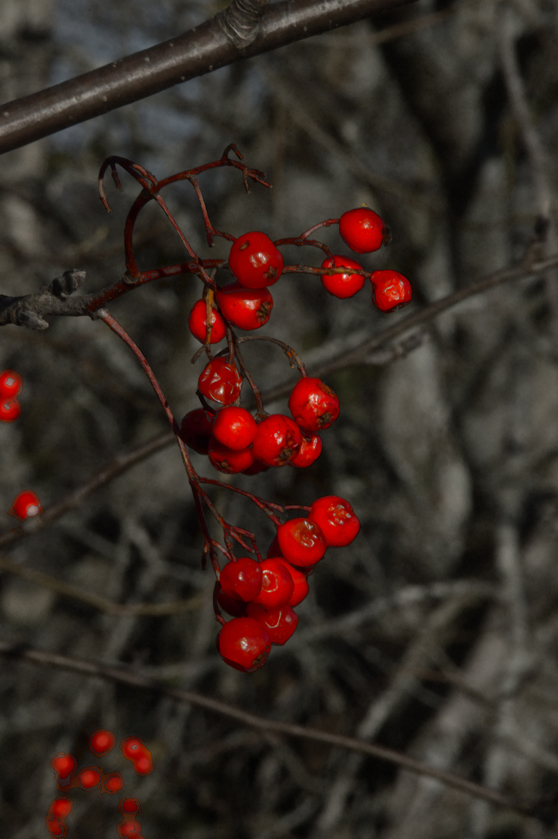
(274, 550)
(363, 230)
(143, 765)
(64, 765)
(54, 826)
(336, 519)
(342, 285)
(10, 384)
(135, 750)
(129, 828)
(132, 748)
(255, 261)
(220, 381)
(10, 410)
(244, 644)
(256, 468)
(231, 604)
(390, 290)
(246, 308)
(279, 623)
(102, 742)
(228, 460)
(310, 450)
(197, 321)
(301, 588)
(113, 783)
(242, 578)
(277, 440)
(234, 427)
(313, 404)
(26, 505)
(195, 429)
(129, 805)
(301, 541)
(89, 778)
(277, 584)
(61, 807)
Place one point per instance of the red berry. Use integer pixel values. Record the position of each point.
(277, 440)
(10, 410)
(256, 468)
(274, 550)
(336, 519)
(363, 230)
(198, 323)
(242, 577)
(60, 808)
(231, 604)
(342, 285)
(234, 427)
(129, 828)
(255, 261)
(54, 827)
(89, 778)
(195, 429)
(26, 505)
(101, 742)
(244, 644)
(113, 783)
(129, 805)
(143, 765)
(277, 584)
(63, 765)
(247, 308)
(390, 290)
(310, 450)
(301, 542)
(300, 583)
(228, 460)
(132, 748)
(313, 404)
(10, 384)
(220, 381)
(279, 623)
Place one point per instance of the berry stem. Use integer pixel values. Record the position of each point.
(294, 358)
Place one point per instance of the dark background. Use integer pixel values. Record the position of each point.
(435, 632)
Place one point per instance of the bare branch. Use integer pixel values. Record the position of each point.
(216, 43)
(134, 679)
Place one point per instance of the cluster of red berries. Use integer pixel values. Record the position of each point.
(11, 384)
(101, 743)
(261, 596)
(237, 442)
(256, 263)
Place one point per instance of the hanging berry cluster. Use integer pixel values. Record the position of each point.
(258, 594)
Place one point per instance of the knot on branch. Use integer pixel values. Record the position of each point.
(30, 309)
(240, 21)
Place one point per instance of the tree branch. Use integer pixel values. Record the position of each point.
(134, 679)
(232, 35)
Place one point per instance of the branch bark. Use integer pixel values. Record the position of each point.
(243, 30)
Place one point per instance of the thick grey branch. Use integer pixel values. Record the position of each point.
(30, 309)
(201, 50)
